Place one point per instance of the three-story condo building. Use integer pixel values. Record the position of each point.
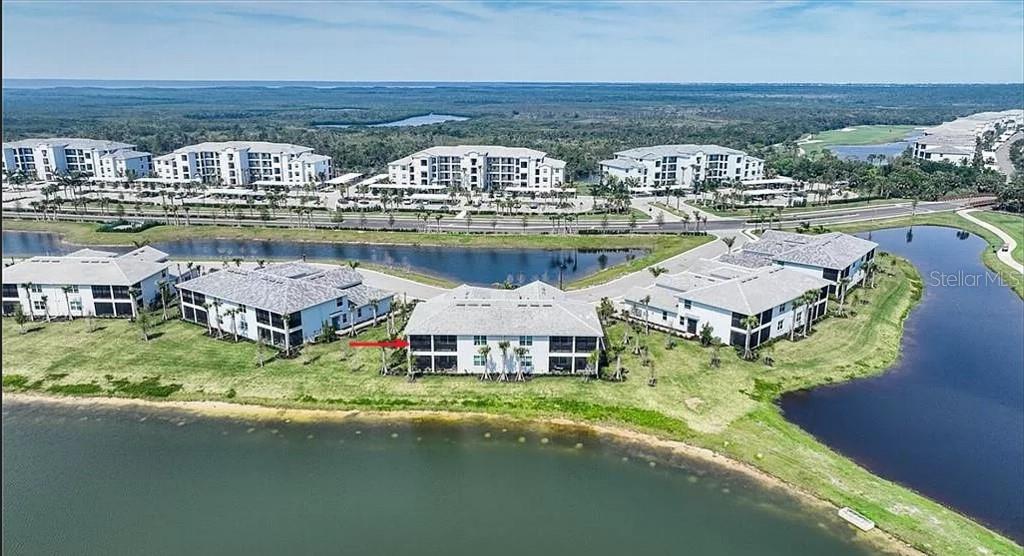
(244, 163)
(285, 304)
(45, 159)
(86, 283)
(479, 168)
(533, 329)
(662, 167)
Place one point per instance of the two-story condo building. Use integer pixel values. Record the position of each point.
(662, 167)
(285, 304)
(86, 283)
(244, 163)
(833, 256)
(722, 296)
(462, 332)
(479, 168)
(45, 159)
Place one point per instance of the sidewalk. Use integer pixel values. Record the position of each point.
(1005, 256)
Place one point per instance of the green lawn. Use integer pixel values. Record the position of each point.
(1012, 224)
(950, 220)
(659, 246)
(858, 135)
(729, 409)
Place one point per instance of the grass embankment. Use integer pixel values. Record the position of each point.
(659, 247)
(1012, 224)
(950, 220)
(729, 409)
(791, 211)
(857, 135)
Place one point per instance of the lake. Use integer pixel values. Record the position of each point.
(861, 152)
(104, 481)
(948, 419)
(471, 265)
(414, 121)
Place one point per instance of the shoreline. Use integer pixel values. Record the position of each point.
(878, 537)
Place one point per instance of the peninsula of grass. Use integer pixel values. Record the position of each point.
(793, 211)
(953, 220)
(658, 246)
(857, 135)
(729, 409)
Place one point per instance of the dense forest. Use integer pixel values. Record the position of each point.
(579, 123)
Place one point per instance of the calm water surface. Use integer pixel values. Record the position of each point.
(472, 265)
(413, 121)
(132, 481)
(861, 152)
(948, 418)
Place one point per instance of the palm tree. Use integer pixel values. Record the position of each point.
(807, 299)
(217, 317)
(729, 241)
(844, 284)
(485, 352)
(657, 270)
(373, 307)
(594, 362)
(209, 327)
(133, 293)
(20, 318)
(46, 307)
(28, 293)
(520, 355)
(605, 310)
(165, 292)
(749, 322)
(503, 346)
(353, 264)
(67, 300)
(234, 322)
(686, 220)
(144, 323)
(287, 320)
(870, 267)
(647, 312)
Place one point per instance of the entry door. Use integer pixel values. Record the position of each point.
(691, 325)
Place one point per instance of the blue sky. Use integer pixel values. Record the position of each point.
(807, 41)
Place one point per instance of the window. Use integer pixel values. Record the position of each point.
(526, 340)
(36, 288)
(76, 305)
(446, 363)
(479, 340)
(528, 362)
(586, 344)
(687, 304)
(120, 292)
(262, 317)
(186, 296)
(419, 343)
(72, 289)
(445, 343)
(39, 305)
(560, 344)
(10, 290)
(479, 361)
(778, 326)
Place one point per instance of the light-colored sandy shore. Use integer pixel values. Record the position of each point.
(876, 538)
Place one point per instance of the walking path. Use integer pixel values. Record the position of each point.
(1003, 154)
(1005, 256)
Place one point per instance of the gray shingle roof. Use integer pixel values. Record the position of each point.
(746, 259)
(757, 292)
(536, 309)
(834, 250)
(87, 267)
(286, 287)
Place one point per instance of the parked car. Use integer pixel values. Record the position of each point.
(1005, 248)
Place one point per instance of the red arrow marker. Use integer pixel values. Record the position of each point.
(393, 344)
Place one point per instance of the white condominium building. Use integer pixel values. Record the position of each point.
(957, 141)
(86, 283)
(235, 163)
(479, 168)
(44, 159)
(664, 167)
(533, 329)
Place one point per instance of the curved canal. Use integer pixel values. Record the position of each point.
(143, 481)
(471, 265)
(948, 419)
